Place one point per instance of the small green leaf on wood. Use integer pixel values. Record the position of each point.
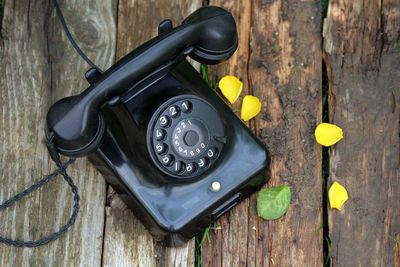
(273, 202)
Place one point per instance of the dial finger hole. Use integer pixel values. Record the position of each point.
(190, 167)
(160, 134)
(167, 160)
(164, 121)
(178, 166)
(173, 111)
(202, 163)
(186, 106)
(160, 148)
(212, 152)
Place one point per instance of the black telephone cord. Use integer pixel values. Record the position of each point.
(35, 243)
(71, 39)
(61, 168)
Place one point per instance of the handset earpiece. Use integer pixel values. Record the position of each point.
(218, 33)
(209, 35)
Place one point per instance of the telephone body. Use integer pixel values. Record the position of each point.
(167, 143)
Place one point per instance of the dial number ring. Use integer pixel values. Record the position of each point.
(186, 128)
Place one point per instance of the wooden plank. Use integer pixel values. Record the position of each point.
(279, 60)
(127, 242)
(362, 50)
(38, 66)
(227, 242)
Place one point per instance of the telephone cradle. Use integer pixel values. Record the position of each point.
(167, 143)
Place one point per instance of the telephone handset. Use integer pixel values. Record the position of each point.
(172, 149)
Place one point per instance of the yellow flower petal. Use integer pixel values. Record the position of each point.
(337, 196)
(251, 106)
(328, 134)
(231, 87)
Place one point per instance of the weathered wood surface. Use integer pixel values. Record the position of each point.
(279, 61)
(127, 242)
(362, 51)
(39, 66)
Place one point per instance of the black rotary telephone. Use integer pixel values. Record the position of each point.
(164, 140)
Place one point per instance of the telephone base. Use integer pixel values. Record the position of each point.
(176, 207)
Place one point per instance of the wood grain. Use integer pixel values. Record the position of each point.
(127, 242)
(227, 242)
(39, 66)
(362, 51)
(286, 75)
(279, 59)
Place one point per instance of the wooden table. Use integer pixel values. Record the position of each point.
(283, 51)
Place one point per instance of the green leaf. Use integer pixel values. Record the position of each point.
(273, 202)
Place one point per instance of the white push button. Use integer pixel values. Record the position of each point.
(215, 186)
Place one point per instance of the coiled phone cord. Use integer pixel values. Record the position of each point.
(61, 168)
